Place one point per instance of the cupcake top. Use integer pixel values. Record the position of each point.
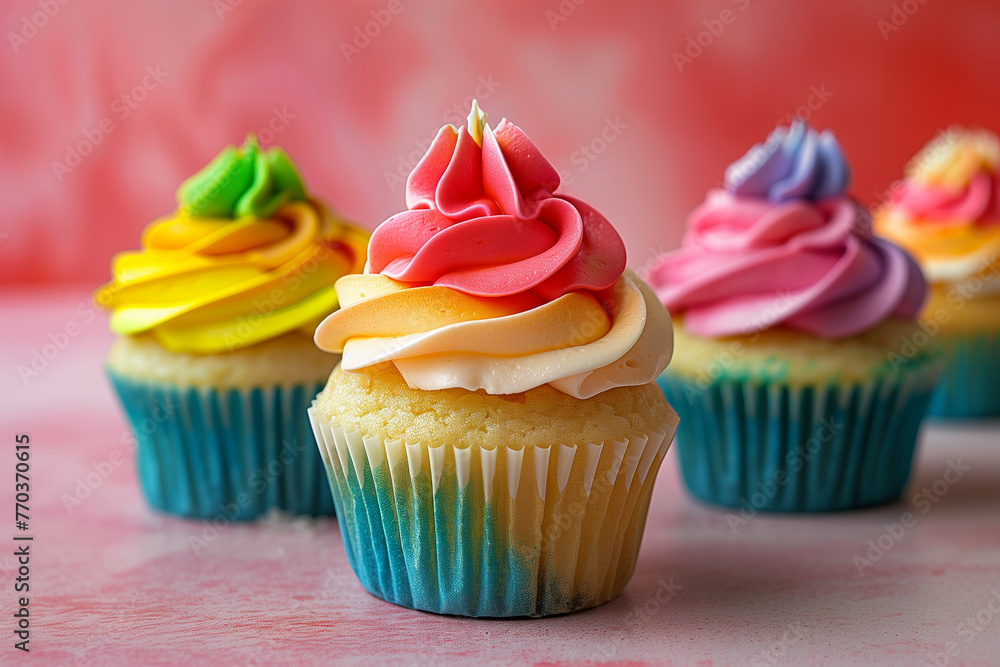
(247, 256)
(782, 245)
(489, 280)
(947, 212)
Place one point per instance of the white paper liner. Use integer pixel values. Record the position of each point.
(479, 532)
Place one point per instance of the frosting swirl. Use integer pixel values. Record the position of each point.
(794, 163)
(484, 220)
(242, 181)
(489, 280)
(749, 262)
(947, 211)
(247, 256)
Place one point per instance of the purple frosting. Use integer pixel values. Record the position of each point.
(794, 163)
(783, 245)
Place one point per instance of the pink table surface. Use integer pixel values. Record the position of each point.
(114, 583)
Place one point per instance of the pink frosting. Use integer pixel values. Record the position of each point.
(747, 264)
(979, 201)
(485, 221)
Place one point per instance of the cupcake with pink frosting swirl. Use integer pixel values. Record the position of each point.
(796, 375)
(494, 429)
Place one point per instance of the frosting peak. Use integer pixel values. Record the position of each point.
(477, 121)
(243, 181)
(485, 220)
(787, 250)
(491, 280)
(794, 163)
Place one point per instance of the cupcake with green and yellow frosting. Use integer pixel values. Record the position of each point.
(214, 362)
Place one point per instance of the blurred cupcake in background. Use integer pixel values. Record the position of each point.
(494, 431)
(214, 361)
(947, 213)
(789, 319)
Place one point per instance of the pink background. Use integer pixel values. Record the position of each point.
(115, 583)
(356, 124)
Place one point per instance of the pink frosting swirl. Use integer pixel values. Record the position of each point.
(484, 220)
(976, 202)
(747, 264)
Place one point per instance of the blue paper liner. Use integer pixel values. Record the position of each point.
(232, 454)
(970, 385)
(491, 533)
(777, 448)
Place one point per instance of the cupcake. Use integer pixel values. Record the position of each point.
(494, 429)
(947, 213)
(790, 317)
(214, 362)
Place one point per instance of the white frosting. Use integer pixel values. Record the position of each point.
(962, 270)
(635, 350)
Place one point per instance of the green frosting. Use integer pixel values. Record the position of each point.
(242, 181)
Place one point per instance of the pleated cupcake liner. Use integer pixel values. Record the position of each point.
(499, 532)
(970, 385)
(777, 448)
(233, 454)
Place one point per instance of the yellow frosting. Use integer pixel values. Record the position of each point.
(208, 285)
(954, 157)
(946, 253)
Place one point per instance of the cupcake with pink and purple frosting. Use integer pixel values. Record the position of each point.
(796, 375)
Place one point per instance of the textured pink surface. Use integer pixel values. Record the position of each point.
(113, 583)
